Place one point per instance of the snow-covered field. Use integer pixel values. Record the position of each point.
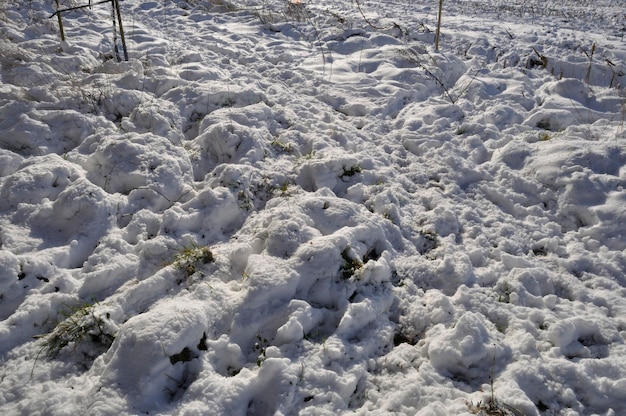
(280, 208)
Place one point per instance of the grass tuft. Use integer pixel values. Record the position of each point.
(189, 257)
(493, 407)
(80, 324)
(350, 264)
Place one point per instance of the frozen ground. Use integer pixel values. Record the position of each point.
(280, 209)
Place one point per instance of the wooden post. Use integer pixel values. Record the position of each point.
(119, 20)
(60, 22)
(115, 15)
(438, 26)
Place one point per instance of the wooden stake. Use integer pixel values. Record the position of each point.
(119, 20)
(115, 14)
(438, 26)
(60, 22)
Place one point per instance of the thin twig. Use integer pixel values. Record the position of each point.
(358, 5)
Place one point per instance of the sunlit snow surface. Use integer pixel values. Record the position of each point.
(281, 209)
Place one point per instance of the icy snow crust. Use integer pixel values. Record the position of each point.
(288, 209)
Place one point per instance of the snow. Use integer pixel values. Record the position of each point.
(279, 208)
